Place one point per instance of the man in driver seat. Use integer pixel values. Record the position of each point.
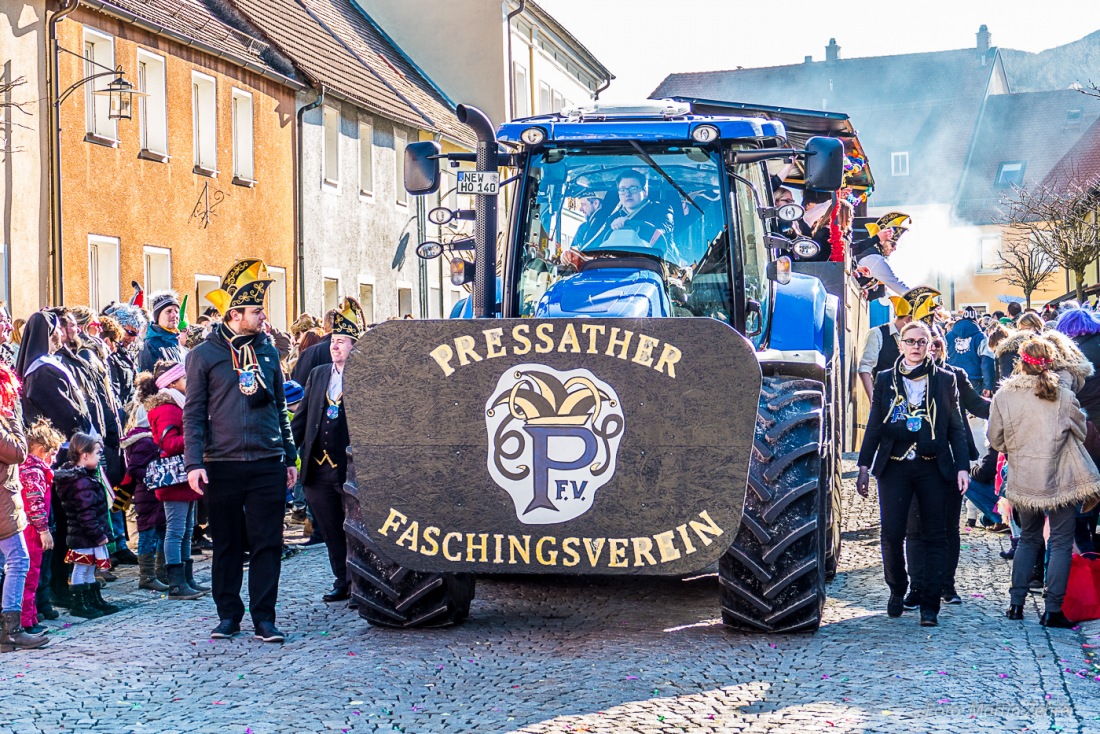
(636, 219)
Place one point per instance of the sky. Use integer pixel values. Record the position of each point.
(642, 41)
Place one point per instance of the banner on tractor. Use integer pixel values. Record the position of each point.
(594, 446)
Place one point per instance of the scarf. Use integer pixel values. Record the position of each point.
(243, 353)
(898, 419)
(177, 397)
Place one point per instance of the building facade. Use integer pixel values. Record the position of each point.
(509, 59)
(202, 175)
(358, 227)
(24, 196)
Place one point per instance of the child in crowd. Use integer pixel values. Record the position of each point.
(139, 449)
(84, 499)
(14, 558)
(165, 408)
(37, 477)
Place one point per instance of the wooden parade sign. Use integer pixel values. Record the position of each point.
(581, 446)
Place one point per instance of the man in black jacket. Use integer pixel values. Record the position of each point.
(321, 430)
(238, 446)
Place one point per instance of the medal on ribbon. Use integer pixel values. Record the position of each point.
(333, 411)
(247, 382)
(913, 423)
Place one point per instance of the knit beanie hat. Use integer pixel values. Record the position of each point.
(162, 300)
(294, 392)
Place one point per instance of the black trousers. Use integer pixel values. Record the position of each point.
(914, 545)
(327, 504)
(246, 497)
(899, 484)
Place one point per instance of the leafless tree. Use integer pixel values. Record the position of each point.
(1061, 220)
(7, 107)
(1025, 267)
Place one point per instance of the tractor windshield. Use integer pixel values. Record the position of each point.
(658, 204)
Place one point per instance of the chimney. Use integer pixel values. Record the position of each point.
(809, 59)
(983, 40)
(832, 52)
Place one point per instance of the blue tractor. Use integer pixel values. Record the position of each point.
(639, 328)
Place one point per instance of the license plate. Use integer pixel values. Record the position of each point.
(485, 183)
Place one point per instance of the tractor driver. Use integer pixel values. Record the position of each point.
(651, 222)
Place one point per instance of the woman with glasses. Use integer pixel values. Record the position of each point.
(916, 445)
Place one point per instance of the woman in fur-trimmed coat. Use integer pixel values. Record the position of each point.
(1036, 421)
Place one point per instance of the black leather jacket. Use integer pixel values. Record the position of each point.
(220, 423)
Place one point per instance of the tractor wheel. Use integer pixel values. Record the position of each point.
(831, 470)
(773, 576)
(390, 595)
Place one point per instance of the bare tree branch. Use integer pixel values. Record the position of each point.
(1061, 220)
(6, 105)
(1025, 267)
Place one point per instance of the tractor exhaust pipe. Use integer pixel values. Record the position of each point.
(485, 207)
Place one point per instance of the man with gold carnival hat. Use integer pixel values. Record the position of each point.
(321, 430)
(882, 349)
(872, 270)
(239, 449)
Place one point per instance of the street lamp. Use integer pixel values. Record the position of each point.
(122, 94)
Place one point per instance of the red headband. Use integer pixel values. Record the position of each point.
(1036, 361)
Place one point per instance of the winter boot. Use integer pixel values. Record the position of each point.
(177, 582)
(96, 601)
(12, 636)
(189, 575)
(148, 578)
(161, 568)
(61, 596)
(45, 606)
(80, 605)
(124, 557)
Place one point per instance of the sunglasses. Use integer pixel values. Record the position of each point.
(915, 342)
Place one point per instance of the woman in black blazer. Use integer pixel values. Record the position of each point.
(916, 446)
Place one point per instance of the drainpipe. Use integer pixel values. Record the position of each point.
(54, 257)
(509, 74)
(602, 87)
(300, 266)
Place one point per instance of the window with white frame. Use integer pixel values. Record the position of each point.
(204, 112)
(990, 254)
(544, 98)
(404, 301)
(99, 57)
(366, 300)
(366, 157)
(899, 163)
(242, 136)
(276, 298)
(519, 90)
(103, 272)
(158, 269)
(332, 145)
(153, 109)
(556, 102)
(204, 284)
(1010, 173)
(330, 292)
(400, 140)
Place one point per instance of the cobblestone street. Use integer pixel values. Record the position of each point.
(569, 656)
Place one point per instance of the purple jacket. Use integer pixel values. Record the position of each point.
(84, 500)
(140, 449)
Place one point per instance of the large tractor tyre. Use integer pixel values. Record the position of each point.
(772, 578)
(832, 468)
(390, 595)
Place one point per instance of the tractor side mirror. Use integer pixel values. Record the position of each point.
(824, 164)
(422, 167)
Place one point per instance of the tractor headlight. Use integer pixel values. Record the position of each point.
(704, 134)
(805, 248)
(533, 135)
